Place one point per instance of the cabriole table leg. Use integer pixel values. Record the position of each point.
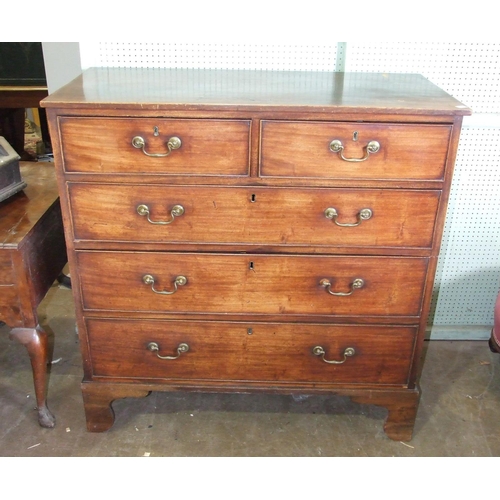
(36, 343)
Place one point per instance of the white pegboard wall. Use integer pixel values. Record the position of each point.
(468, 275)
(209, 55)
(469, 71)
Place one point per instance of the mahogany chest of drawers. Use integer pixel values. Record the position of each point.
(253, 231)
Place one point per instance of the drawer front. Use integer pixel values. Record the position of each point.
(299, 149)
(5, 268)
(10, 308)
(104, 145)
(261, 284)
(267, 216)
(251, 352)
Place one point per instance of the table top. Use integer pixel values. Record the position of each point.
(20, 212)
(23, 88)
(212, 89)
(22, 96)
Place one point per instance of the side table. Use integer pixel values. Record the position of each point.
(32, 255)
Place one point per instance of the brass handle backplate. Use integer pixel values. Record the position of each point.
(177, 211)
(149, 280)
(357, 283)
(173, 143)
(181, 348)
(319, 351)
(336, 146)
(364, 214)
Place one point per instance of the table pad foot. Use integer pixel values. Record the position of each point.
(46, 418)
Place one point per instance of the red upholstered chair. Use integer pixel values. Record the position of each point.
(495, 333)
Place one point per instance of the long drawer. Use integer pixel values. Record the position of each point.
(185, 147)
(250, 352)
(272, 216)
(326, 150)
(6, 277)
(260, 284)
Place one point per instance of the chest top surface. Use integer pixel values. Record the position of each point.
(250, 90)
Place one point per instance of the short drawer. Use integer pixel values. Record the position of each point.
(250, 352)
(255, 216)
(105, 145)
(255, 284)
(308, 150)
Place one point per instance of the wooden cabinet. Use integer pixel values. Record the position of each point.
(253, 231)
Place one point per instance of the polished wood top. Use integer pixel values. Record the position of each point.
(20, 212)
(212, 89)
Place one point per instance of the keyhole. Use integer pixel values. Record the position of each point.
(156, 131)
(355, 136)
(249, 331)
(252, 199)
(251, 266)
